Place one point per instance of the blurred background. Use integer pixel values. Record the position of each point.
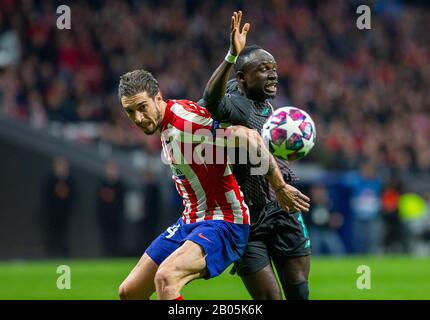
(77, 179)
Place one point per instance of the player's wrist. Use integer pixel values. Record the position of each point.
(280, 188)
(230, 58)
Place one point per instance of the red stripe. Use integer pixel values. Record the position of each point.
(211, 176)
(241, 199)
(215, 193)
(232, 183)
(168, 115)
(225, 206)
(206, 178)
(178, 122)
(226, 186)
(192, 198)
(193, 107)
(184, 202)
(185, 125)
(209, 216)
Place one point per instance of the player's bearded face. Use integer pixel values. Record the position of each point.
(144, 111)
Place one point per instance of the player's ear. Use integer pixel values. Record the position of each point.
(159, 96)
(240, 77)
(122, 99)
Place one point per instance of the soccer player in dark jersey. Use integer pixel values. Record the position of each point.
(213, 230)
(275, 235)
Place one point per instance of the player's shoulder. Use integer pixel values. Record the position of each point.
(187, 104)
(232, 87)
(186, 107)
(233, 94)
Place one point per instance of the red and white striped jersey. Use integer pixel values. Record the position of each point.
(208, 188)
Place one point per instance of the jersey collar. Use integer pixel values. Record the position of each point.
(168, 114)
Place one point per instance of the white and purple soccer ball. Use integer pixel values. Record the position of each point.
(289, 133)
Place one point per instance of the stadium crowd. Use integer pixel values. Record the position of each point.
(367, 90)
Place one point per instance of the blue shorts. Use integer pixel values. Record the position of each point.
(222, 242)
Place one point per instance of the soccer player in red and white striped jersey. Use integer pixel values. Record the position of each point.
(214, 228)
(210, 191)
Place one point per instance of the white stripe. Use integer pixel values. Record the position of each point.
(244, 205)
(187, 203)
(235, 206)
(218, 215)
(177, 135)
(196, 186)
(179, 110)
(227, 170)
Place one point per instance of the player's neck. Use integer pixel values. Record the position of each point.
(249, 95)
(163, 106)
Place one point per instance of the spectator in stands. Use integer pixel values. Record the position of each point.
(58, 198)
(394, 240)
(152, 205)
(324, 223)
(110, 205)
(426, 234)
(366, 189)
(367, 92)
(413, 212)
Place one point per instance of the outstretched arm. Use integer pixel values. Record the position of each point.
(289, 198)
(216, 86)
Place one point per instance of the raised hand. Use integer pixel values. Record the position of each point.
(237, 37)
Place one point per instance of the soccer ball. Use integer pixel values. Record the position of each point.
(289, 133)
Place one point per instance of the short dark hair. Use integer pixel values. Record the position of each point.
(242, 58)
(136, 81)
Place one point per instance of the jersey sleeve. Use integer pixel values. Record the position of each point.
(230, 109)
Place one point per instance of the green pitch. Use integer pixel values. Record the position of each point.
(391, 278)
